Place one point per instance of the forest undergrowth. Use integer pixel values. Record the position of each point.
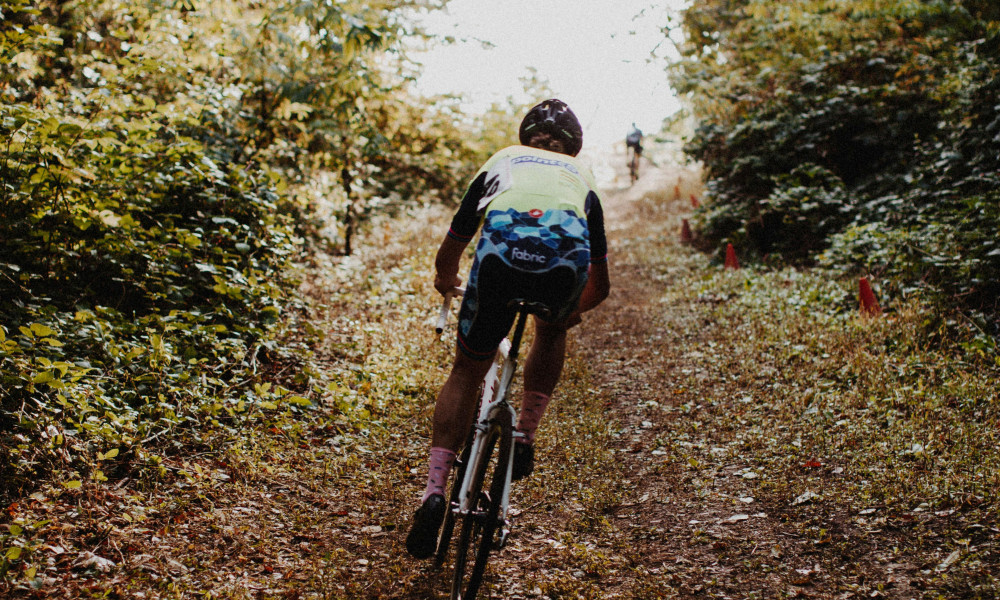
(717, 434)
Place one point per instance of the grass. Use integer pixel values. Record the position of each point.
(883, 428)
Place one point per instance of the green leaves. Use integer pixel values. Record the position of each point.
(162, 174)
(107, 455)
(866, 129)
(36, 330)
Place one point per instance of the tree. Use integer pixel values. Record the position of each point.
(158, 165)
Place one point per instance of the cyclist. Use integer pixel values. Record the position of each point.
(633, 140)
(542, 238)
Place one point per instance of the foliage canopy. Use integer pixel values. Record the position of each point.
(863, 135)
(164, 165)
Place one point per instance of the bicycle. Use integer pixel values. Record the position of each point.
(633, 163)
(480, 493)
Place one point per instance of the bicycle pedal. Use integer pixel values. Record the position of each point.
(502, 541)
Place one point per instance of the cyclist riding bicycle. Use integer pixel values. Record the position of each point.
(634, 141)
(542, 239)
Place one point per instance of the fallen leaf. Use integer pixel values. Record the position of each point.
(948, 562)
(808, 496)
(89, 560)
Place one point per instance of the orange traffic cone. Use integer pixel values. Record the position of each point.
(694, 201)
(731, 261)
(686, 236)
(677, 192)
(869, 305)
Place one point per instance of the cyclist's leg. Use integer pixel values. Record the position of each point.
(484, 319)
(453, 415)
(542, 369)
(541, 373)
(482, 324)
(559, 289)
(544, 362)
(456, 402)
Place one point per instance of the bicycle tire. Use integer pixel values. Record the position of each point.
(481, 523)
(448, 527)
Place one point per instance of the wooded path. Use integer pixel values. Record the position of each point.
(667, 467)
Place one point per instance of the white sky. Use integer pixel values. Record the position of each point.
(605, 58)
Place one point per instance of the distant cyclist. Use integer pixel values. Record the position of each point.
(541, 239)
(633, 141)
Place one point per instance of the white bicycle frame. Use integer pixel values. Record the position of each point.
(492, 406)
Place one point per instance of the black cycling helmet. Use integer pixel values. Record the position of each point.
(556, 119)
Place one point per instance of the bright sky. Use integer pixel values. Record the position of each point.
(605, 58)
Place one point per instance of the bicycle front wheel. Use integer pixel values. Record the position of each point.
(480, 524)
(448, 527)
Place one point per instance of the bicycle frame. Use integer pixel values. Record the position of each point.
(633, 163)
(493, 406)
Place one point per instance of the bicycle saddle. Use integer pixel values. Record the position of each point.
(532, 308)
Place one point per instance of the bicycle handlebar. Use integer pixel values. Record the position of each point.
(445, 308)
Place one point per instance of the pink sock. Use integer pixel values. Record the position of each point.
(533, 406)
(441, 462)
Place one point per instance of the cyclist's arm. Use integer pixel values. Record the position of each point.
(598, 281)
(595, 229)
(598, 287)
(463, 228)
(446, 277)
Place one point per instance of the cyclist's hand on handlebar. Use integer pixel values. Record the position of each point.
(447, 285)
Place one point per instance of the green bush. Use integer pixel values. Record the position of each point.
(864, 135)
(943, 225)
(133, 283)
(155, 162)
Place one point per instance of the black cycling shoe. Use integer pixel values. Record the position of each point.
(524, 461)
(423, 537)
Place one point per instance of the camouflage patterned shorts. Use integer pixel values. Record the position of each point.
(537, 256)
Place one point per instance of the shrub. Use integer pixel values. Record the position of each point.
(865, 135)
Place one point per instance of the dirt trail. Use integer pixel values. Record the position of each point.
(676, 529)
(667, 533)
(689, 533)
(682, 535)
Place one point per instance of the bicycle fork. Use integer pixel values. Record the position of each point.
(505, 501)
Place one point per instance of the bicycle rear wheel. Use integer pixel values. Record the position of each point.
(480, 525)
